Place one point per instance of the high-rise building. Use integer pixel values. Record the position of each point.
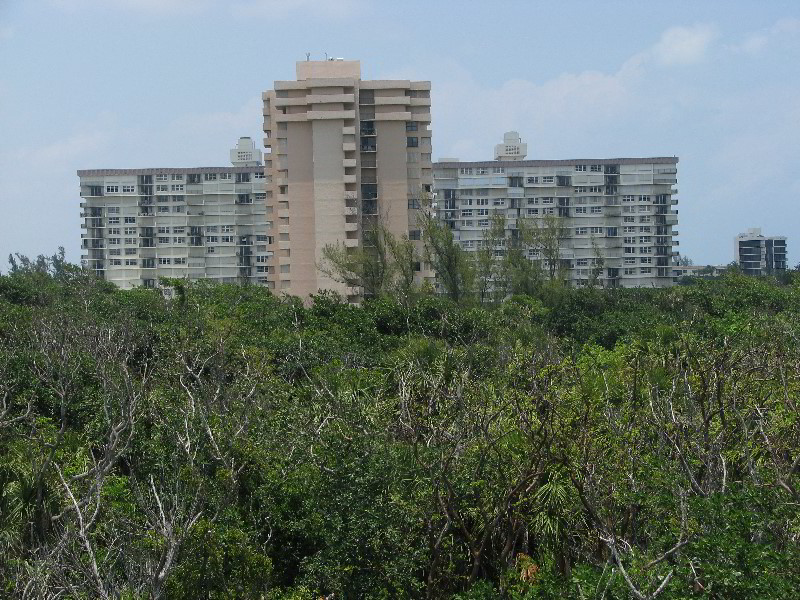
(612, 217)
(346, 155)
(196, 223)
(757, 254)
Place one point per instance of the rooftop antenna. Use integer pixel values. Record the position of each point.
(308, 56)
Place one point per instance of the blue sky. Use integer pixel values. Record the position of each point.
(144, 83)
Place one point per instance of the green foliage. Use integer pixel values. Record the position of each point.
(551, 443)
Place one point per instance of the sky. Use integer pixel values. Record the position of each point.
(90, 84)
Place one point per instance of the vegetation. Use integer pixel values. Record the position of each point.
(228, 443)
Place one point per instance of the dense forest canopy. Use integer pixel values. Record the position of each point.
(228, 443)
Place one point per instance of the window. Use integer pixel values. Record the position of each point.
(645, 270)
(581, 230)
(646, 250)
(130, 262)
(597, 210)
(227, 228)
(162, 187)
(499, 202)
(498, 170)
(210, 176)
(629, 271)
(415, 234)
(482, 202)
(595, 189)
(163, 240)
(547, 200)
(129, 220)
(596, 230)
(177, 187)
(116, 262)
(112, 189)
(644, 209)
(628, 198)
(581, 262)
(162, 199)
(130, 231)
(629, 250)
(212, 239)
(580, 167)
(629, 240)
(178, 229)
(225, 176)
(644, 239)
(548, 179)
(114, 241)
(178, 208)
(482, 212)
(580, 190)
(177, 177)
(178, 198)
(211, 228)
(178, 240)
(227, 239)
(210, 249)
(130, 251)
(628, 229)
(412, 142)
(645, 229)
(130, 241)
(646, 260)
(532, 180)
(645, 219)
(114, 231)
(580, 210)
(629, 260)
(481, 171)
(629, 219)
(163, 229)
(164, 261)
(179, 261)
(644, 198)
(465, 171)
(113, 220)
(411, 126)
(163, 209)
(533, 211)
(128, 189)
(161, 177)
(115, 252)
(596, 168)
(483, 223)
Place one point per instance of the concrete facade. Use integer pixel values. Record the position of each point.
(196, 223)
(614, 216)
(757, 254)
(345, 155)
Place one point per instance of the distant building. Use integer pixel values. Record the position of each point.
(196, 223)
(757, 254)
(614, 215)
(346, 156)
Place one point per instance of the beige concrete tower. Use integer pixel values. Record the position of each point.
(345, 155)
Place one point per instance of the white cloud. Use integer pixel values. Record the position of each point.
(684, 45)
(756, 41)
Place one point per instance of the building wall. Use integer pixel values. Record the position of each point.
(143, 224)
(614, 212)
(338, 165)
